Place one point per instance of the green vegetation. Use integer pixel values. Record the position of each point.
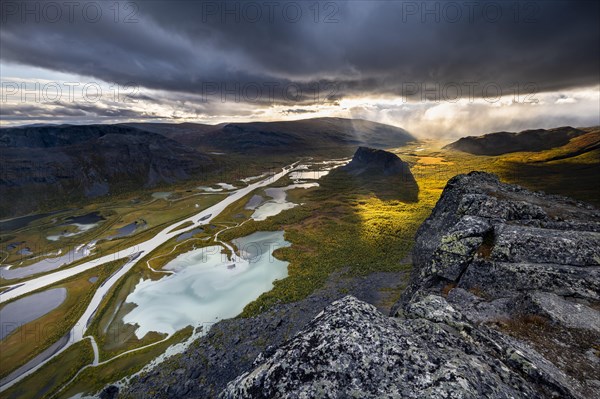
(366, 225)
(354, 225)
(111, 334)
(157, 214)
(93, 379)
(49, 378)
(587, 144)
(27, 341)
(575, 177)
(183, 226)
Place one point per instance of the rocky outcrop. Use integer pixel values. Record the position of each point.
(502, 304)
(231, 346)
(351, 350)
(504, 242)
(525, 263)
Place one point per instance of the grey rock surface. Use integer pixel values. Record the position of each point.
(353, 351)
(525, 263)
(502, 240)
(564, 312)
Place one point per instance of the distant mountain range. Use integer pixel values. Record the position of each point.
(49, 166)
(44, 165)
(528, 140)
(287, 137)
(66, 163)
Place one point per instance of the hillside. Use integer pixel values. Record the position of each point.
(585, 144)
(185, 133)
(45, 164)
(299, 136)
(505, 142)
(375, 170)
(368, 160)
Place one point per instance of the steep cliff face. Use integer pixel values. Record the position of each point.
(503, 303)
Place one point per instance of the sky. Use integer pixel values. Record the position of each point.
(435, 68)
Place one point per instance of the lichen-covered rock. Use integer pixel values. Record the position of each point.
(519, 260)
(568, 313)
(353, 351)
(481, 223)
(230, 346)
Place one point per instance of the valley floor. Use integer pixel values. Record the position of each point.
(348, 236)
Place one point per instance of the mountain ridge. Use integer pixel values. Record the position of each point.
(294, 136)
(499, 143)
(73, 162)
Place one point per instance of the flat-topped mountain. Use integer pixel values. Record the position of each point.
(51, 136)
(369, 160)
(287, 136)
(506, 142)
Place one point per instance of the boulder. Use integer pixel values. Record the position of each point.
(353, 351)
(525, 263)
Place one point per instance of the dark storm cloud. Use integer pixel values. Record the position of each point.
(65, 110)
(272, 52)
(296, 111)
